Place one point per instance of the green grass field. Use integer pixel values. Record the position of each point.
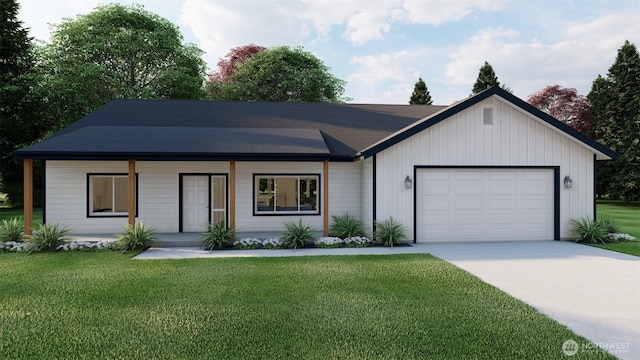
(106, 305)
(7, 213)
(628, 218)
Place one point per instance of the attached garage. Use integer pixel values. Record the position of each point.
(485, 204)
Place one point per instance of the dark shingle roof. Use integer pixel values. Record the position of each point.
(192, 129)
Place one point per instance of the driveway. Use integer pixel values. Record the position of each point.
(594, 292)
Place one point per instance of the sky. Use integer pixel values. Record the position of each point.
(381, 47)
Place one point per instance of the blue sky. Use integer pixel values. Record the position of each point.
(381, 48)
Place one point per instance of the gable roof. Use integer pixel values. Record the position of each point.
(602, 151)
(210, 130)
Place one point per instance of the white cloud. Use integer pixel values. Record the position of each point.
(436, 12)
(587, 49)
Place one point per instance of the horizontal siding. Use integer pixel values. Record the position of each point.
(158, 202)
(345, 195)
(515, 139)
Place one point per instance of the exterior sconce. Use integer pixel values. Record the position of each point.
(408, 182)
(568, 183)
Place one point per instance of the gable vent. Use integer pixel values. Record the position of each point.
(487, 116)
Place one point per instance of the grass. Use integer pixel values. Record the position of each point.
(628, 218)
(8, 213)
(105, 305)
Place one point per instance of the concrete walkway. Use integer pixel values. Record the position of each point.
(594, 292)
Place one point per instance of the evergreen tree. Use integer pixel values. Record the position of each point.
(615, 102)
(486, 78)
(19, 119)
(420, 95)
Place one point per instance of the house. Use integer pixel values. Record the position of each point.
(490, 167)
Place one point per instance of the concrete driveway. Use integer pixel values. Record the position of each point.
(594, 292)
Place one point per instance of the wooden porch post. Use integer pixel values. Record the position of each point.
(131, 196)
(232, 194)
(28, 197)
(325, 198)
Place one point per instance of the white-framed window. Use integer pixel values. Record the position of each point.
(108, 195)
(286, 194)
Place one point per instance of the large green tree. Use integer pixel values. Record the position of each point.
(20, 120)
(615, 103)
(486, 78)
(420, 95)
(283, 74)
(117, 51)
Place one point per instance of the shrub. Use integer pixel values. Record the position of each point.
(12, 230)
(217, 236)
(345, 226)
(610, 224)
(247, 243)
(297, 234)
(136, 237)
(616, 237)
(47, 238)
(390, 232)
(358, 241)
(273, 243)
(588, 230)
(328, 242)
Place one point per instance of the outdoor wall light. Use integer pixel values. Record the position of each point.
(407, 182)
(568, 183)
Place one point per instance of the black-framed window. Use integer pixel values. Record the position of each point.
(108, 195)
(286, 194)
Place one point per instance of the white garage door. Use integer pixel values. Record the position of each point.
(484, 204)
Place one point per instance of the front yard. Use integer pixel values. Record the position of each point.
(106, 305)
(628, 218)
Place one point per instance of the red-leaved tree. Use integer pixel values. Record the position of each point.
(234, 58)
(565, 105)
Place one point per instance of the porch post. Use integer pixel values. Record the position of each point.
(28, 197)
(232, 194)
(131, 196)
(325, 197)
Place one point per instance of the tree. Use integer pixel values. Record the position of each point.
(20, 122)
(228, 66)
(117, 51)
(615, 103)
(420, 95)
(565, 105)
(486, 78)
(283, 74)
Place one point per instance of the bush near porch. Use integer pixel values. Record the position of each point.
(105, 305)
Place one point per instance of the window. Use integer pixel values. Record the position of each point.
(487, 116)
(108, 195)
(286, 194)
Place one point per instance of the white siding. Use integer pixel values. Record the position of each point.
(345, 195)
(158, 202)
(515, 139)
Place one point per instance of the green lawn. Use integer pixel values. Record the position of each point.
(628, 217)
(7, 213)
(105, 305)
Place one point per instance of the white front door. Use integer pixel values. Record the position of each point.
(195, 203)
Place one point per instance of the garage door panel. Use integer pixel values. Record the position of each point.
(468, 190)
(484, 204)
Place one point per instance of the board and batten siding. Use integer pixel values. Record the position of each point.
(158, 193)
(367, 194)
(515, 139)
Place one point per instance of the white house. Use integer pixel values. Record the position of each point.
(491, 167)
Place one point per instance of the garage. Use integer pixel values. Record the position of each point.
(485, 204)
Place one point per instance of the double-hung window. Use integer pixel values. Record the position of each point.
(286, 194)
(109, 195)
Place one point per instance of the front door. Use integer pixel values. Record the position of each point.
(204, 200)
